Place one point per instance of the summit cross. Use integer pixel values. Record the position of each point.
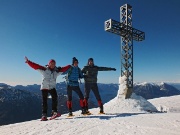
(128, 34)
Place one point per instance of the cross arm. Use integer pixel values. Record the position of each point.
(122, 30)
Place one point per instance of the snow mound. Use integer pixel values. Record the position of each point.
(134, 104)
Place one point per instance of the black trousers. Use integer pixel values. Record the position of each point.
(54, 96)
(94, 88)
(76, 89)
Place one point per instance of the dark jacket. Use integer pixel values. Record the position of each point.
(91, 72)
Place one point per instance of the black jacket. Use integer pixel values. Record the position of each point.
(91, 72)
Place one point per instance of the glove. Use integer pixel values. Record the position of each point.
(113, 69)
(26, 59)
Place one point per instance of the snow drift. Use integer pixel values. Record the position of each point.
(133, 104)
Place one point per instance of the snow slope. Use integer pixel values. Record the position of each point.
(167, 104)
(124, 122)
(123, 117)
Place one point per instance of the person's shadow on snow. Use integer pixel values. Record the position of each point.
(110, 115)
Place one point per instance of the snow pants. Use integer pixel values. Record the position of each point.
(69, 94)
(54, 96)
(94, 88)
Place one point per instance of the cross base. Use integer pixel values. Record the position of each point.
(128, 92)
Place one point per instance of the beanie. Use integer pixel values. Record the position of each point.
(51, 61)
(74, 59)
(90, 59)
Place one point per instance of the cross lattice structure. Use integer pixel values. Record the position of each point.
(128, 34)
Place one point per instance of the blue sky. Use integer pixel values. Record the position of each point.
(62, 29)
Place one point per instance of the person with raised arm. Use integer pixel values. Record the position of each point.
(48, 86)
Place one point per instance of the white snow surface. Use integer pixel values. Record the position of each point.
(123, 117)
(167, 104)
(124, 122)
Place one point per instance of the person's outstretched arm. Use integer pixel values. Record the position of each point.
(64, 69)
(34, 65)
(106, 69)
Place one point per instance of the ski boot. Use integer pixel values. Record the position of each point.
(101, 110)
(88, 112)
(83, 111)
(86, 109)
(70, 114)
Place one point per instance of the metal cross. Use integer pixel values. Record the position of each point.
(128, 34)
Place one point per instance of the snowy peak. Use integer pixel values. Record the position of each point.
(165, 86)
(155, 90)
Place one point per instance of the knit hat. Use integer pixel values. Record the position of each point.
(51, 61)
(74, 59)
(90, 59)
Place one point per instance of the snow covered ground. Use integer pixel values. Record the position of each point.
(123, 117)
(117, 121)
(167, 104)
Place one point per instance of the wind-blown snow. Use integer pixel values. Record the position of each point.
(123, 117)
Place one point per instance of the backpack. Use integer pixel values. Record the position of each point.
(70, 71)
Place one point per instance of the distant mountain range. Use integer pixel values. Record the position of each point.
(18, 105)
(176, 85)
(153, 90)
(21, 103)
